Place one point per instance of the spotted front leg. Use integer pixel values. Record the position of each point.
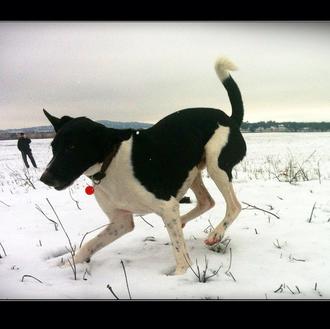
(171, 218)
(122, 223)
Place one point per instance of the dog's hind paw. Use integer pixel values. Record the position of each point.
(213, 239)
(215, 236)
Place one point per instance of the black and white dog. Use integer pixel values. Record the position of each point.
(149, 171)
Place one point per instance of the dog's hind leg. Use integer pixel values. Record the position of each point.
(223, 151)
(233, 207)
(204, 200)
(121, 223)
(169, 211)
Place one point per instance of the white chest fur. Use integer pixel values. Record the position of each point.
(119, 188)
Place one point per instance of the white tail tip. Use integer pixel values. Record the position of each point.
(222, 66)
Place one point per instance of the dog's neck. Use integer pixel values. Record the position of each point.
(98, 171)
(93, 169)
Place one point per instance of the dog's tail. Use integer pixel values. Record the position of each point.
(222, 67)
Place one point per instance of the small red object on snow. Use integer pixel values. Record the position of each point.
(89, 190)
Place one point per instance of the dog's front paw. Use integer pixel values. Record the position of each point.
(176, 270)
(81, 257)
(181, 270)
(54, 262)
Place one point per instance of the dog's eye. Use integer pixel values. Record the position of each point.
(70, 147)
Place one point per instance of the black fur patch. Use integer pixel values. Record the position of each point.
(163, 155)
(233, 152)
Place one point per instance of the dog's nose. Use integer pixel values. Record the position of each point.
(47, 178)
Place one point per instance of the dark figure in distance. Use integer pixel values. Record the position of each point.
(24, 147)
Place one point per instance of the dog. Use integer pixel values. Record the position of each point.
(150, 170)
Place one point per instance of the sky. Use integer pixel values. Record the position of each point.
(143, 71)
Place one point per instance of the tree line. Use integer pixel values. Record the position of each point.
(288, 126)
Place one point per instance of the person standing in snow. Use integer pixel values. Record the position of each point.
(23, 145)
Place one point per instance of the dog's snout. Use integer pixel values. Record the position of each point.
(47, 178)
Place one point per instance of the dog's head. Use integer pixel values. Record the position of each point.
(79, 143)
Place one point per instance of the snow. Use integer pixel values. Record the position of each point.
(289, 254)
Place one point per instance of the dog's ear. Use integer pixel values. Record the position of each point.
(56, 122)
(107, 138)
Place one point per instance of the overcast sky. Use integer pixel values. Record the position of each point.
(142, 71)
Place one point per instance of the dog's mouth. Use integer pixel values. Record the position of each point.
(61, 187)
(49, 179)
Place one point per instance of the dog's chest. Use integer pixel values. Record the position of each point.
(120, 189)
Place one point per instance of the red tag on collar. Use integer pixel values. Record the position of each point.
(89, 190)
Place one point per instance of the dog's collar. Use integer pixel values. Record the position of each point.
(96, 178)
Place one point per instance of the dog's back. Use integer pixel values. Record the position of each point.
(164, 154)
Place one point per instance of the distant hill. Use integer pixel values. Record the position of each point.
(48, 131)
(107, 123)
(125, 125)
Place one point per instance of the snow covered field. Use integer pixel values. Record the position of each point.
(263, 256)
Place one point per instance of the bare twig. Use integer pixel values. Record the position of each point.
(198, 271)
(30, 276)
(206, 230)
(214, 274)
(231, 274)
(226, 246)
(293, 171)
(228, 272)
(318, 291)
(129, 293)
(270, 206)
(290, 289)
(212, 227)
(145, 220)
(278, 246)
(28, 179)
(18, 176)
(77, 203)
(198, 276)
(318, 171)
(91, 232)
(301, 169)
(5, 203)
(84, 276)
(230, 260)
(60, 224)
(55, 224)
(298, 260)
(72, 265)
(280, 289)
(109, 287)
(202, 277)
(268, 212)
(4, 251)
(311, 216)
(72, 251)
